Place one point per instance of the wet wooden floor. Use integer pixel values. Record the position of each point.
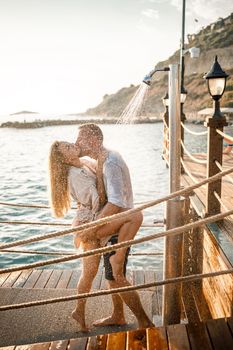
(211, 335)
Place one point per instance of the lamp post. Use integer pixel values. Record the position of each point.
(216, 81)
(183, 92)
(165, 153)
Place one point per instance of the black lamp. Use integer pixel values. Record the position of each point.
(165, 100)
(216, 81)
(183, 95)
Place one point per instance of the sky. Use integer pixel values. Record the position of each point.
(63, 56)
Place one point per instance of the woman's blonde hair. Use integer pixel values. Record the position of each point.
(59, 189)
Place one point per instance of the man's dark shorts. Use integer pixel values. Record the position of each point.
(107, 265)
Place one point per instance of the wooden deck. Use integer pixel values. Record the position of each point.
(212, 335)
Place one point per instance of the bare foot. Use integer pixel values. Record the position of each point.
(81, 321)
(109, 321)
(147, 324)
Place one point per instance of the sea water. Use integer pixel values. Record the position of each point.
(24, 179)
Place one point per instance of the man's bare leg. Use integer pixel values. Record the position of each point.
(117, 317)
(132, 300)
(89, 271)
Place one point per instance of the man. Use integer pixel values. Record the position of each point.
(118, 189)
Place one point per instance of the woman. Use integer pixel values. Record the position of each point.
(82, 180)
(76, 178)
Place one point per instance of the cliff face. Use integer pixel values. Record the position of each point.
(215, 39)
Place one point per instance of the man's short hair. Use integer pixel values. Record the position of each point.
(93, 129)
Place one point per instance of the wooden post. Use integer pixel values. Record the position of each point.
(173, 262)
(214, 153)
(175, 207)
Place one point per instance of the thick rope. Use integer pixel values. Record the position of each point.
(221, 169)
(220, 201)
(196, 160)
(99, 251)
(194, 132)
(38, 223)
(38, 206)
(224, 135)
(184, 279)
(108, 219)
(39, 252)
(188, 172)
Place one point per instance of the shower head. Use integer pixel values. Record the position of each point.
(147, 79)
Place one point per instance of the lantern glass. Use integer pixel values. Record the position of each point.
(216, 86)
(166, 102)
(183, 97)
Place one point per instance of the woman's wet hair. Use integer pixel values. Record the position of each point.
(59, 189)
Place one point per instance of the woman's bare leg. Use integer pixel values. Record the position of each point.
(127, 232)
(89, 271)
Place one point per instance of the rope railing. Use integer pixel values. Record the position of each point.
(188, 172)
(100, 222)
(221, 169)
(193, 132)
(220, 201)
(191, 156)
(99, 251)
(38, 252)
(37, 223)
(224, 135)
(183, 279)
(43, 223)
(40, 206)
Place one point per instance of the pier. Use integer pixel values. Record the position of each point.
(190, 301)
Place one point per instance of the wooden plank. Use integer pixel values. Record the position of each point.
(202, 306)
(43, 279)
(156, 339)
(32, 279)
(149, 278)
(3, 277)
(59, 345)
(159, 290)
(139, 277)
(20, 282)
(189, 304)
(216, 296)
(97, 343)
(37, 346)
(74, 279)
(8, 347)
(177, 337)
(129, 276)
(103, 283)
(53, 280)
(220, 335)
(136, 340)
(97, 280)
(116, 341)
(77, 344)
(198, 336)
(12, 278)
(64, 279)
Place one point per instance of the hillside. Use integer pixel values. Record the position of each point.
(215, 39)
